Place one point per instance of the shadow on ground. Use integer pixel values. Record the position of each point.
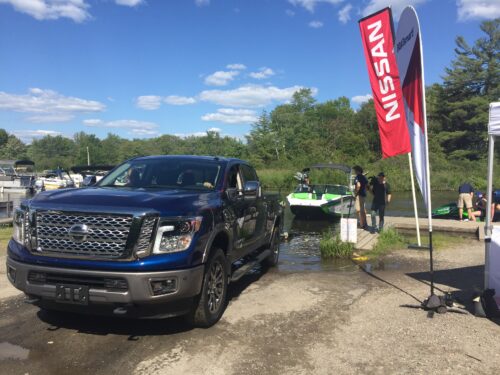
(135, 328)
(466, 280)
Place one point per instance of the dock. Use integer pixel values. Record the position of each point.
(367, 240)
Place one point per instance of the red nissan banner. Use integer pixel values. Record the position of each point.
(378, 44)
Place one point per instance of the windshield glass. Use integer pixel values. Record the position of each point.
(165, 173)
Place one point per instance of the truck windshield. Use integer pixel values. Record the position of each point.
(164, 173)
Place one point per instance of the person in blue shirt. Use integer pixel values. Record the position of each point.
(360, 183)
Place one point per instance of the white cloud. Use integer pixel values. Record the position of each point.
(310, 5)
(250, 95)
(345, 14)
(133, 127)
(48, 105)
(179, 100)
(75, 10)
(129, 3)
(202, 3)
(27, 136)
(221, 77)
(316, 24)
(396, 5)
(195, 134)
(236, 66)
(214, 130)
(478, 9)
(360, 99)
(263, 73)
(92, 122)
(149, 102)
(232, 116)
(289, 13)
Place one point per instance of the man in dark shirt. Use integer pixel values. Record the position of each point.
(465, 194)
(381, 196)
(360, 183)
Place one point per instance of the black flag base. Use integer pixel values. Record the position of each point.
(439, 304)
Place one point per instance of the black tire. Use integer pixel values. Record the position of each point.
(274, 246)
(211, 302)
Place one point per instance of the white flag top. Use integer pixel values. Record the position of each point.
(408, 48)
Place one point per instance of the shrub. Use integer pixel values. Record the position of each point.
(332, 247)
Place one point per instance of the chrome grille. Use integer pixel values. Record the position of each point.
(106, 238)
(145, 238)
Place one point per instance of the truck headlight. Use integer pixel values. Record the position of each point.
(18, 226)
(172, 237)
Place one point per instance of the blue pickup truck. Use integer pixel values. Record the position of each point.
(158, 236)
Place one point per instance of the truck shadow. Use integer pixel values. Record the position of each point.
(136, 328)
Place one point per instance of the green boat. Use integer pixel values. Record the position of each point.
(322, 200)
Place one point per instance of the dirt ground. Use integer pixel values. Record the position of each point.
(345, 321)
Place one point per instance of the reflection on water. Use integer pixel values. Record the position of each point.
(10, 351)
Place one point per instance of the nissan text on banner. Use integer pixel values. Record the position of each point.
(409, 59)
(377, 39)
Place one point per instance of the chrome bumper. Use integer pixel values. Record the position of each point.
(139, 291)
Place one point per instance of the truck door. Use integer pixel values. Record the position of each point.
(256, 211)
(235, 211)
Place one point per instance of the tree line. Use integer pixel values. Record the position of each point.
(304, 131)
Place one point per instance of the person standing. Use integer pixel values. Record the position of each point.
(465, 194)
(360, 183)
(381, 197)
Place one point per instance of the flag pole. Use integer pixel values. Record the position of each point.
(431, 301)
(417, 224)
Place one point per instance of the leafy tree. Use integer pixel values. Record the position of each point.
(4, 137)
(14, 148)
(470, 84)
(50, 152)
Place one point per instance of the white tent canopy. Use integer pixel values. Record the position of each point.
(494, 121)
(492, 235)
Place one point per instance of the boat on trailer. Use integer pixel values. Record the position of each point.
(322, 200)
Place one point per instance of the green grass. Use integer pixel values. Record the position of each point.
(439, 240)
(5, 234)
(388, 240)
(332, 247)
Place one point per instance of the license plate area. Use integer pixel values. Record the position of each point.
(73, 294)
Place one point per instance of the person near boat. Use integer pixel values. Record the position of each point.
(360, 183)
(465, 195)
(381, 197)
(480, 206)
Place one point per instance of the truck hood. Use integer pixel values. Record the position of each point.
(120, 200)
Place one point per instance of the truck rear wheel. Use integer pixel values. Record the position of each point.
(211, 303)
(274, 246)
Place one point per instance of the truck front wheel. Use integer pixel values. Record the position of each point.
(211, 303)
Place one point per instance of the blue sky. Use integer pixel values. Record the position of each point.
(145, 68)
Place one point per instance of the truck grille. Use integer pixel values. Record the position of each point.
(106, 234)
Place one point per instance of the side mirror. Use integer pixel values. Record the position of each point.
(251, 189)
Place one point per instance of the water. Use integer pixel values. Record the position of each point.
(10, 351)
(300, 252)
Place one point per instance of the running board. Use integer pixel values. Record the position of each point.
(243, 270)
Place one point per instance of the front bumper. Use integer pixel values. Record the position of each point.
(137, 292)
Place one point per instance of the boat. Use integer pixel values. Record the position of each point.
(17, 176)
(322, 200)
(91, 174)
(54, 179)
